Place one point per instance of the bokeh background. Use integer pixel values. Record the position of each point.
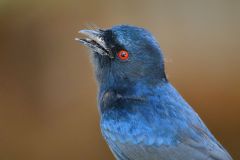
(47, 87)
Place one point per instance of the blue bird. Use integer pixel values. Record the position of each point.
(143, 117)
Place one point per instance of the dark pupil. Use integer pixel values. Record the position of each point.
(123, 54)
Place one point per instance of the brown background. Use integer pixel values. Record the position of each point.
(47, 88)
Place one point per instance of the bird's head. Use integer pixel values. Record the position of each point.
(124, 55)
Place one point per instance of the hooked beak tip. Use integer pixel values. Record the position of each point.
(91, 33)
(95, 40)
(77, 39)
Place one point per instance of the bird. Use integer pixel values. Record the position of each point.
(142, 115)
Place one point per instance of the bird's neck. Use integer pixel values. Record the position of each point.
(132, 93)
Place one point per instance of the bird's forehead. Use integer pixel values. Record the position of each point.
(127, 35)
(130, 36)
(125, 31)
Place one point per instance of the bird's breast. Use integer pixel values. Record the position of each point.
(129, 126)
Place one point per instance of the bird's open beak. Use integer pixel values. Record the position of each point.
(95, 41)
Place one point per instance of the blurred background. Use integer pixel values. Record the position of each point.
(47, 88)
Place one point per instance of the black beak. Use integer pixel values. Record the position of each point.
(95, 42)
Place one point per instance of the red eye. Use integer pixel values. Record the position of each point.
(123, 55)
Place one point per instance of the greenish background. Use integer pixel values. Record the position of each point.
(47, 88)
